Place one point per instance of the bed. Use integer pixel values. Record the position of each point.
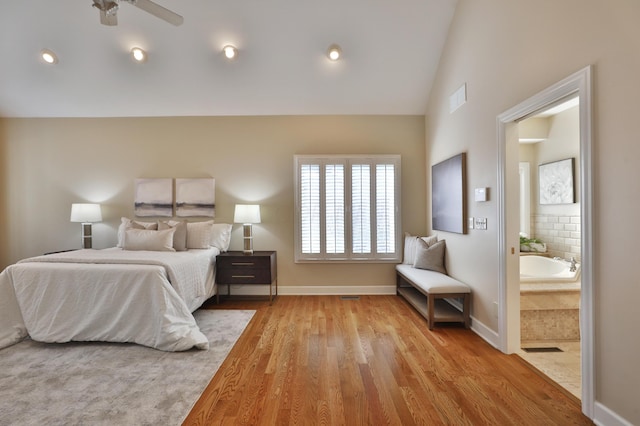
(115, 295)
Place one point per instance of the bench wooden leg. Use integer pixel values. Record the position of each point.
(466, 306)
(431, 308)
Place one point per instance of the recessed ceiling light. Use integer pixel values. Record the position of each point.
(48, 56)
(138, 54)
(230, 51)
(334, 52)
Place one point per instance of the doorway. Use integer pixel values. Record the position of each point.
(550, 256)
(576, 85)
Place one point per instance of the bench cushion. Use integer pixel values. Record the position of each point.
(431, 281)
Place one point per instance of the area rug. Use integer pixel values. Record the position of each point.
(112, 383)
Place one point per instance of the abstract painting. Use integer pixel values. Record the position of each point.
(449, 195)
(195, 197)
(556, 182)
(154, 197)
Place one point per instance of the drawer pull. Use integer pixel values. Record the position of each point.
(243, 276)
(242, 263)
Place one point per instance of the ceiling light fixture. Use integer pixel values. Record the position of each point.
(334, 52)
(138, 54)
(49, 57)
(230, 51)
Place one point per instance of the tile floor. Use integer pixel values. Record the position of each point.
(562, 367)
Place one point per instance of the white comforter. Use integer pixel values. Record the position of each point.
(107, 295)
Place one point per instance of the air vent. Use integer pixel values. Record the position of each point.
(542, 350)
(349, 297)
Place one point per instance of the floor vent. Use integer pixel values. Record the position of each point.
(540, 350)
(349, 297)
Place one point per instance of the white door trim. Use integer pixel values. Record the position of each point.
(579, 83)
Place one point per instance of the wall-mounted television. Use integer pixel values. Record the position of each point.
(449, 195)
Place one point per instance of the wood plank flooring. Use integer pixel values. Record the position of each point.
(323, 360)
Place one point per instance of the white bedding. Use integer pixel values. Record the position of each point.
(108, 295)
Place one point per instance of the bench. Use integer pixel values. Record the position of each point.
(426, 290)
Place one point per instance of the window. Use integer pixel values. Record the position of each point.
(347, 208)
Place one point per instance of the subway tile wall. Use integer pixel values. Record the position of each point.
(561, 233)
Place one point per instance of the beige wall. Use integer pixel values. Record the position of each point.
(47, 164)
(507, 51)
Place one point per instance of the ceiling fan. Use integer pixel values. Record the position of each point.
(109, 9)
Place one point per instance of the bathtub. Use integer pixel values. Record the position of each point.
(544, 269)
(549, 299)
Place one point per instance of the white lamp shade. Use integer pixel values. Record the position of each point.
(247, 213)
(86, 213)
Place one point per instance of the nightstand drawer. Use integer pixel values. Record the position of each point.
(244, 275)
(244, 262)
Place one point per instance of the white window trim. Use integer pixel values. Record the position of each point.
(348, 257)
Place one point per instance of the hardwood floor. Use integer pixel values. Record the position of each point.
(373, 361)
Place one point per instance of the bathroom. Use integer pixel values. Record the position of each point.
(550, 255)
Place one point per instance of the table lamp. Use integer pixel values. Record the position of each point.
(247, 214)
(86, 214)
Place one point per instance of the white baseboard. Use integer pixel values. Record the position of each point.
(603, 416)
(336, 290)
(487, 334)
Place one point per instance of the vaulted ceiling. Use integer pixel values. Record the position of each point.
(390, 52)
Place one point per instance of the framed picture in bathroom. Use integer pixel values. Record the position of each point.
(556, 182)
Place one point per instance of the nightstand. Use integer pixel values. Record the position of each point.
(259, 268)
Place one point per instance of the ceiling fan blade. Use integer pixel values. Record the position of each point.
(158, 11)
(110, 19)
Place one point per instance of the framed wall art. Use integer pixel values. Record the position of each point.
(556, 182)
(195, 197)
(448, 195)
(153, 197)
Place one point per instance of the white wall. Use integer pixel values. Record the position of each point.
(507, 51)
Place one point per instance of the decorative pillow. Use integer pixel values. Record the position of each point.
(146, 239)
(180, 236)
(430, 257)
(151, 226)
(410, 242)
(128, 223)
(221, 236)
(199, 234)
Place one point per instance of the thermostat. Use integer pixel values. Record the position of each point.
(481, 194)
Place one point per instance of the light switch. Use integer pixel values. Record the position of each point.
(480, 223)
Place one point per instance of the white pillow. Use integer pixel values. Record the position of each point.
(410, 242)
(221, 236)
(409, 248)
(146, 239)
(199, 234)
(180, 237)
(128, 223)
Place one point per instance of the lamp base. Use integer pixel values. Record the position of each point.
(86, 236)
(247, 230)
